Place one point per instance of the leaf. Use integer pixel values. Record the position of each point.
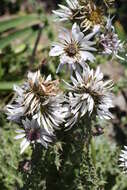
(7, 86)
(19, 21)
(16, 35)
(120, 31)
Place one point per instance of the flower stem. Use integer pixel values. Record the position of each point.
(41, 26)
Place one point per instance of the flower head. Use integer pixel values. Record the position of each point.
(40, 99)
(90, 15)
(110, 42)
(73, 47)
(89, 94)
(123, 159)
(32, 133)
(69, 12)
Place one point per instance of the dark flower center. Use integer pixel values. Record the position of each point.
(71, 50)
(33, 134)
(95, 16)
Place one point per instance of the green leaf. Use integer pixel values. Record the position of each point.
(19, 21)
(16, 35)
(120, 31)
(7, 86)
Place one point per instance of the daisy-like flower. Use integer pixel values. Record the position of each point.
(73, 47)
(89, 94)
(69, 12)
(32, 133)
(40, 99)
(123, 159)
(90, 15)
(110, 41)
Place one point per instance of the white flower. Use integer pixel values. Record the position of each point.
(73, 47)
(89, 94)
(123, 159)
(40, 99)
(32, 133)
(110, 41)
(69, 12)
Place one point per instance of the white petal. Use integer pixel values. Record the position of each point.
(20, 131)
(76, 33)
(23, 142)
(24, 147)
(56, 51)
(19, 136)
(49, 78)
(87, 56)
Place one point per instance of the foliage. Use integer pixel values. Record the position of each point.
(9, 158)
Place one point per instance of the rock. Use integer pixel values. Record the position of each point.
(119, 101)
(113, 70)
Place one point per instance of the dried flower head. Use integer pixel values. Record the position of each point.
(123, 159)
(109, 3)
(73, 47)
(40, 99)
(110, 42)
(32, 133)
(69, 12)
(89, 94)
(90, 15)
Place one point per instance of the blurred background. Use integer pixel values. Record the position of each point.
(27, 30)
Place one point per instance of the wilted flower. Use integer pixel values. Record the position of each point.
(32, 133)
(90, 15)
(89, 94)
(40, 99)
(110, 42)
(109, 2)
(69, 12)
(73, 47)
(123, 159)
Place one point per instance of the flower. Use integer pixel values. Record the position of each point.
(109, 2)
(110, 42)
(89, 94)
(90, 15)
(32, 133)
(67, 13)
(123, 159)
(40, 99)
(73, 47)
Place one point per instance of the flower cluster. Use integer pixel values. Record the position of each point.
(91, 18)
(40, 101)
(87, 13)
(40, 108)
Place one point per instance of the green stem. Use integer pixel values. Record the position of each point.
(88, 171)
